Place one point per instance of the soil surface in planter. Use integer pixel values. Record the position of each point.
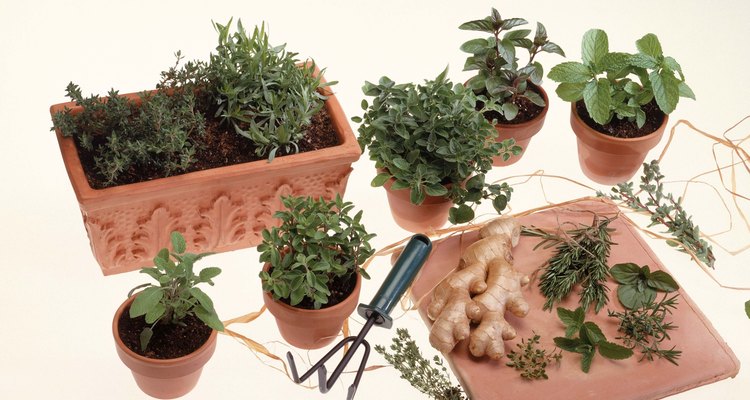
(340, 288)
(168, 341)
(526, 110)
(622, 128)
(221, 146)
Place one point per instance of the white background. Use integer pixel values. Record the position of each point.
(57, 307)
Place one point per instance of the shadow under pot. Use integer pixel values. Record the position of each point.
(432, 214)
(162, 378)
(307, 328)
(521, 132)
(607, 159)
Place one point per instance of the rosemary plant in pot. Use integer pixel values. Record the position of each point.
(513, 97)
(312, 276)
(432, 150)
(620, 103)
(208, 152)
(167, 332)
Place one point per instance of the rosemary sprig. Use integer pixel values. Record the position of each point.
(417, 370)
(531, 360)
(664, 210)
(580, 258)
(644, 328)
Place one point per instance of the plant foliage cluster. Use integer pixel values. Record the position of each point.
(317, 242)
(176, 295)
(499, 81)
(606, 81)
(531, 360)
(431, 140)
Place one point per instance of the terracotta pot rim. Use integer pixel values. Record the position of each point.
(154, 361)
(534, 120)
(340, 305)
(593, 132)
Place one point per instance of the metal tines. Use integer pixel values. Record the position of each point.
(377, 313)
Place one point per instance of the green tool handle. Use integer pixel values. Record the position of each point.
(398, 280)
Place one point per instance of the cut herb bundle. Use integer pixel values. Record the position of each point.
(580, 258)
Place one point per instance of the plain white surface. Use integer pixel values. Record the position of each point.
(56, 305)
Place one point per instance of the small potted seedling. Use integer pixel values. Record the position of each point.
(312, 276)
(511, 93)
(620, 103)
(166, 332)
(432, 150)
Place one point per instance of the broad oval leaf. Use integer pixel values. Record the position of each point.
(209, 318)
(568, 344)
(145, 301)
(614, 351)
(475, 46)
(591, 333)
(570, 72)
(202, 298)
(661, 280)
(626, 273)
(631, 298)
(594, 47)
(597, 97)
(649, 44)
(380, 179)
(570, 91)
(178, 242)
(666, 90)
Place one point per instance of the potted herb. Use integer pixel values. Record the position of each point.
(512, 95)
(166, 332)
(620, 103)
(432, 150)
(202, 153)
(311, 278)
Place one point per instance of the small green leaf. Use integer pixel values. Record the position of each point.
(460, 214)
(568, 344)
(594, 47)
(649, 44)
(632, 298)
(570, 72)
(481, 25)
(510, 111)
(436, 189)
(202, 298)
(416, 195)
(474, 46)
(685, 91)
(570, 91)
(747, 308)
(209, 273)
(155, 313)
(626, 273)
(596, 96)
(380, 179)
(666, 90)
(145, 301)
(586, 361)
(614, 351)
(209, 318)
(145, 337)
(662, 281)
(573, 320)
(178, 242)
(591, 333)
(401, 163)
(499, 203)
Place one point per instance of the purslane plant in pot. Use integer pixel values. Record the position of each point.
(312, 277)
(620, 103)
(432, 149)
(207, 153)
(166, 332)
(512, 95)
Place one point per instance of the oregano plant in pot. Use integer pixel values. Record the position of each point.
(219, 123)
(432, 150)
(510, 92)
(312, 273)
(166, 332)
(620, 103)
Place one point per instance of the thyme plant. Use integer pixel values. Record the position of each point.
(531, 360)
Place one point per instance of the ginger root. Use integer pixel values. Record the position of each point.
(485, 272)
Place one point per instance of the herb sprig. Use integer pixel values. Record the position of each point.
(531, 360)
(638, 285)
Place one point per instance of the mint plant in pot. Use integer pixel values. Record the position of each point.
(166, 332)
(200, 154)
(312, 276)
(620, 103)
(512, 95)
(432, 150)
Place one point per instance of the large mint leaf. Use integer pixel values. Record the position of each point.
(596, 96)
(570, 72)
(594, 47)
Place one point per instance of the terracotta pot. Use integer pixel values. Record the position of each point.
(522, 133)
(216, 210)
(311, 329)
(163, 379)
(430, 215)
(607, 159)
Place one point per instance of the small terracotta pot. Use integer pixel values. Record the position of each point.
(521, 133)
(311, 329)
(163, 379)
(607, 159)
(431, 214)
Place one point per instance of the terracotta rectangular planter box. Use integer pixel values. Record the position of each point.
(216, 210)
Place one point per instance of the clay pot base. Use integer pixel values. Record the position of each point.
(705, 359)
(432, 214)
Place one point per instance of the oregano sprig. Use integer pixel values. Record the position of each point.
(531, 360)
(638, 285)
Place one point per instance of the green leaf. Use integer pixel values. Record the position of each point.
(499, 203)
(178, 242)
(632, 298)
(155, 313)
(643, 61)
(626, 273)
(209, 318)
(615, 62)
(512, 23)
(571, 345)
(535, 98)
(570, 72)
(481, 25)
(416, 196)
(649, 44)
(475, 46)
(586, 361)
(145, 337)
(614, 351)
(145, 301)
(573, 320)
(550, 47)
(202, 298)
(510, 111)
(596, 96)
(460, 214)
(401, 163)
(507, 51)
(209, 273)
(570, 91)
(591, 333)
(435, 189)
(747, 308)
(666, 90)
(685, 91)
(594, 47)
(380, 179)
(662, 281)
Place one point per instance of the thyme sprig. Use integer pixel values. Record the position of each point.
(433, 381)
(645, 328)
(531, 360)
(664, 210)
(580, 258)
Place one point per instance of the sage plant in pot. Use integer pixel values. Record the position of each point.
(511, 93)
(620, 103)
(166, 332)
(312, 274)
(432, 149)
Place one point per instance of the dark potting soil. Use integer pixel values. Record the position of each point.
(220, 146)
(526, 110)
(168, 341)
(340, 288)
(622, 128)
